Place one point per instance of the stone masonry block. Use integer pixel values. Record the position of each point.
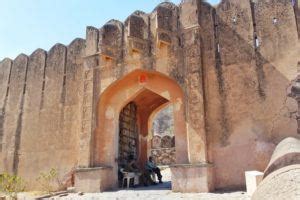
(93, 180)
(253, 178)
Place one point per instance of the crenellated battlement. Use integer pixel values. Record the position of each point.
(143, 32)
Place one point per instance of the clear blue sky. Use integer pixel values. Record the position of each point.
(26, 25)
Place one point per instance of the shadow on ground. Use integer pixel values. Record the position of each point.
(163, 186)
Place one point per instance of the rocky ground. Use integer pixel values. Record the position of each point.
(154, 194)
(160, 191)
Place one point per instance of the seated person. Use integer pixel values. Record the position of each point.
(131, 167)
(144, 176)
(151, 167)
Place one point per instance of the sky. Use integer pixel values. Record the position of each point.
(26, 25)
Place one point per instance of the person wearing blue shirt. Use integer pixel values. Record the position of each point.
(151, 167)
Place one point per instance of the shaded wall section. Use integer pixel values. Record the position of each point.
(5, 69)
(257, 60)
(32, 139)
(13, 114)
(43, 112)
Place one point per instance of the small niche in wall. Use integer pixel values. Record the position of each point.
(163, 39)
(234, 20)
(107, 60)
(135, 52)
(163, 45)
(275, 20)
(162, 49)
(136, 47)
(257, 42)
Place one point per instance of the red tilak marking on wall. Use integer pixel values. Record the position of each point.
(142, 78)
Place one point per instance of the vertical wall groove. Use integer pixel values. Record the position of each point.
(19, 125)
(204, 86)
(296, 11)
(2, 116)
(44, 83)
(63, 92)
(221, 82)
(258, 58)
(7, 90)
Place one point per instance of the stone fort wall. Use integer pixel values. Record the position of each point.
(40, 98)
(163, 150)
(234, 63)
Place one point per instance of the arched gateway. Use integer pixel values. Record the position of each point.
(148, 92)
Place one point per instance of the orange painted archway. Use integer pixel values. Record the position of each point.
(119, 94)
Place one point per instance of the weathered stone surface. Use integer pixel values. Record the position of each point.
(194, 90)
(192, 178)
(74, 72)
(281, 184)
(282, 175)
(189, 13)
(253, 179)
(276, 27)
(163, 27)
(165, 16)
(74, 87)
(17, 80)
(54, 75)
(110, 39)
(31, 128)
(90, 93)
(287, 152)
(156, 142)
(13, 115)
(111, 52)
(233, 64)
(164, 156)
(93, 180)
(44, 121)
(163, 142)
(243, 90)
(92, 36)
(52, 113)
(35, 81)
(136, 42)
(137, 27)
(5, 67)
(166, 142)
(235, 31)
(58, 126)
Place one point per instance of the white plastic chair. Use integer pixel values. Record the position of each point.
(127, 176)
(153, 176)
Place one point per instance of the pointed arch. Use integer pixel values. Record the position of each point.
(119, 94)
